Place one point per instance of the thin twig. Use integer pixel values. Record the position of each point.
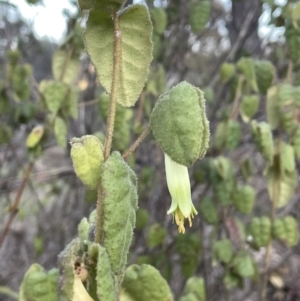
(15, 207)
(235, 47)
(88, 103)
(137, 142)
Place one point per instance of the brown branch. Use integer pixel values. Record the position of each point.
(15, 207)
(137, 142)
(88, 103)
(238, 42)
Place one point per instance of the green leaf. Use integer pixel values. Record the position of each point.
(208, 210)
(228, 135)
(156, 82)
(227, 70)
(199, 14)
(119, 192)
(195, 285)
(249, 107)
(260, 229)
(246, 67)
(35, 136)
(144, 283)
(261, 132)
(38, 285)
(5, 133)
(264, 72)
(21, 81)
(54, 94)
(65, 68)
(60, 131)
(292, 36)
(110, 6)
(232, 280)
(83, 229)
(243, 265)
(223, 250)
(296, 142)
(286, 230)
(66, 263)
(155, 235)
(188, 297)
(160, 19)
(87, 157)
(142, 218)
(224, 167)
(287, 158)
(244, 198)
(179, 124)
(106, 289)
(285, 185)
(136, 50)
(272, 107)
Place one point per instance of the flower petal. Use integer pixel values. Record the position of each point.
(179, 186)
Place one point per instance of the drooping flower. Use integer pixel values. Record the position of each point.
(180, 189)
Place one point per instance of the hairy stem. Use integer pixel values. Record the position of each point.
(137, 142)
(110, 122)
(14, 209)
(113, 94)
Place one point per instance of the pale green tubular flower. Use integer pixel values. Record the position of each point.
(180, 189)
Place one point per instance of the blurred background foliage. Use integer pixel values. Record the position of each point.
(245, 56)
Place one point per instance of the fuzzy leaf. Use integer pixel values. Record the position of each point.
(199, 14)
(195, 285)
(244, 198)
(243, 265)
(155, 235)
(223, 250)
(119, 188)
(35, 136)
(179, 124)
(227, 70)
(246, 67)
(60, 131)
(272, 107)
(285, 186)
(208, 210)
(87, 157)
(260, 229)
(144, 283)
(286, 230)
(54, 94)
(160, 19)
(38, 285)
(66, 261)
(249, 107)
(136, 50)
(264, 71)
(263, 139)
(65, 69)
(106, 289)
